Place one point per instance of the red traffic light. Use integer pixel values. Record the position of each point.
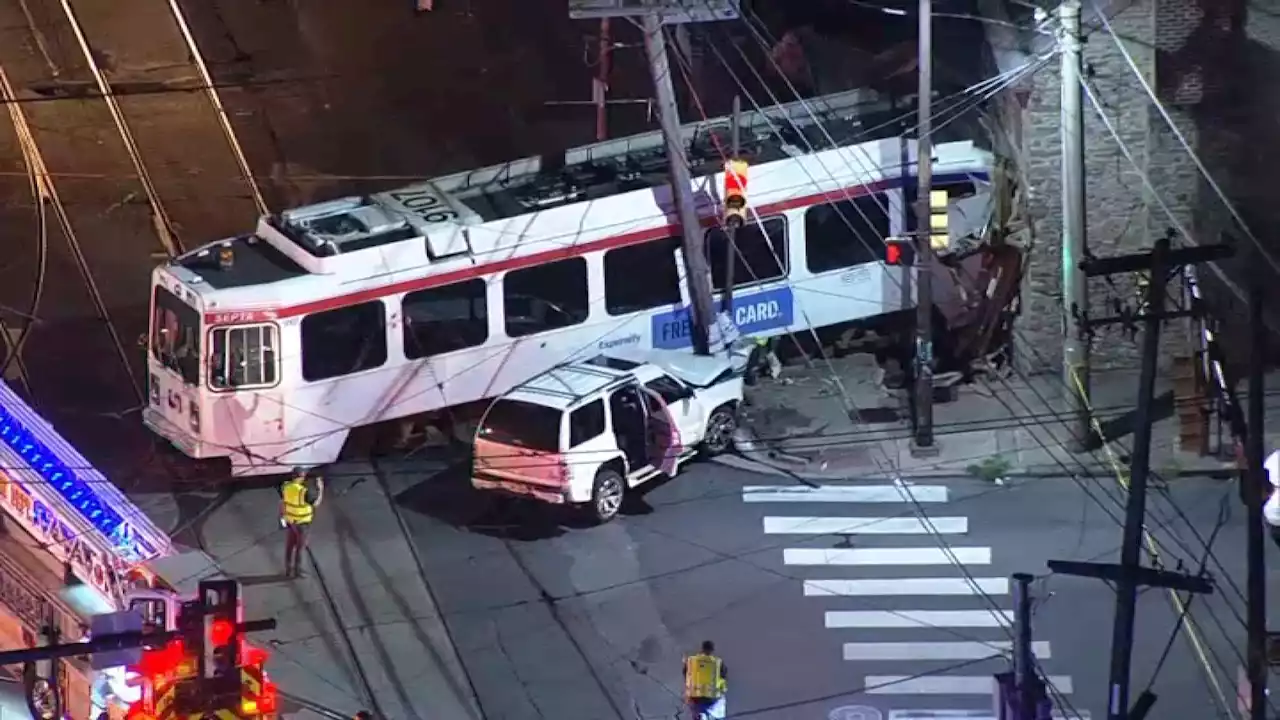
(899, 251)
(893, 254)
(221, 631)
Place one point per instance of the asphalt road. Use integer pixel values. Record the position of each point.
(442, 595)
(573, 622)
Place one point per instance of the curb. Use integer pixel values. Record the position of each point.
(754, 455)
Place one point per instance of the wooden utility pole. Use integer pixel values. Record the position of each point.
(1136, 509)
(600, 85)
(653, 14)
(1129, 575)
(697, 271)
(922, 443)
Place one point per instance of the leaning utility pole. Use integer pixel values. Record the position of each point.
(1075, 286)
(697, 271)
(653, 14)
(1129, 575)
(1255, 481)
(922, 443)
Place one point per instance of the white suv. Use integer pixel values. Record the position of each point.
(584, 432)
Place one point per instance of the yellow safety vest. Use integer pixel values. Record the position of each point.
(297, 511)
(702, 677)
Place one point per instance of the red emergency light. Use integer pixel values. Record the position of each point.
(253, 656)
(267, 703)
(160, 661)
(220, 632)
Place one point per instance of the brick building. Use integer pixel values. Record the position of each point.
(1210, 63)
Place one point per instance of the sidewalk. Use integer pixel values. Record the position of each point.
(369, 583)
(800, 425)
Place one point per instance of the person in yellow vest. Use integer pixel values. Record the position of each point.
(299, 499)
(705, 682)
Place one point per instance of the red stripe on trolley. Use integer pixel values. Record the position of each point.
(523, 261)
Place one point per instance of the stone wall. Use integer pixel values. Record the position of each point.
(1192, 53)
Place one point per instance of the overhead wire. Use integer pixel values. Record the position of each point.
(851, 228)
(1191, 631)
(858, 235)
(302, 443)
(922, 516)
(1198, 646)
(1186, 146)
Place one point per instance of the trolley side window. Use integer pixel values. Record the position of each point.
(760, 252)
(344, 341)
(175, 335)
(641, 277)
(845, 233)
(545, 297)
(244, 357)
(444, 319)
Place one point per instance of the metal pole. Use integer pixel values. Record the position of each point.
(1075, 286)
(1255, 482)
(908, 282)
(731, 228)
(600, 86)
(698, 274)
(1135, 511)
(924, 253)
(1024, 667)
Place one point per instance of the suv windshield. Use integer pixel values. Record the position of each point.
(522, 424)
(175, 336)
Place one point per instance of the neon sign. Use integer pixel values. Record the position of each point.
(59, 497)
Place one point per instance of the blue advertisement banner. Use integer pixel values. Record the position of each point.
(752, 313)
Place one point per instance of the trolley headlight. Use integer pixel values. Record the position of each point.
(155, 390)
(193, 411)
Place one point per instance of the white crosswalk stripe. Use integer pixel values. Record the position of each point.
(887, 556)
(907, 586)
(966, 619)
(956, 650)
(864, 526)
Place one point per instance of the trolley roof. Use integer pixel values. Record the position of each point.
(532, 206)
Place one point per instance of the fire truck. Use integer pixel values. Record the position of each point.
(209, 672)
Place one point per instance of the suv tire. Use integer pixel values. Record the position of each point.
(607, 493)
(721, 425)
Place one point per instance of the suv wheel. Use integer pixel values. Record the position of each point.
(606, 495)
(720, 428)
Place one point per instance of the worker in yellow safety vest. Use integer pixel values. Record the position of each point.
(299, 498)
(705, 681)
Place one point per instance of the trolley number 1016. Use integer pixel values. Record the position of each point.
(425, 205)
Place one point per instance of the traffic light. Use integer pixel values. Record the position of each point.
(939, 234)
(219, 660)
(899, 251)
(735, 193)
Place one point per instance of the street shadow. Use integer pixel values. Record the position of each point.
(1122, 425)
(193, 512)
(449, 497)
(265, 579)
